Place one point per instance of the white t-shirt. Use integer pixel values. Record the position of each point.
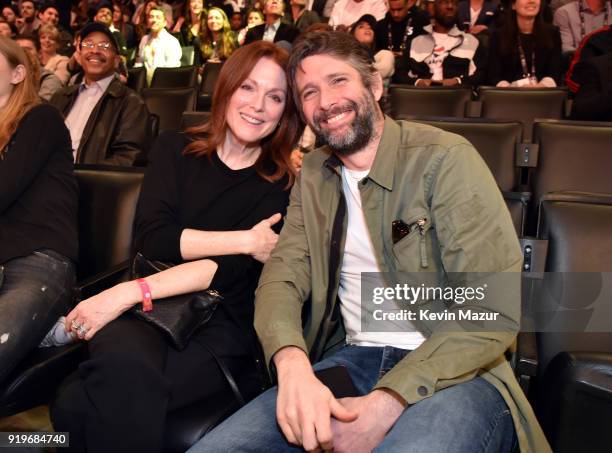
(359, 256)
(444, 43)
(347, 12)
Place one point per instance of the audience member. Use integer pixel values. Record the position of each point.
(9, 12)
(49, 14)
(425, 386)
(38, 211)
(579, 18)
(28, 22)
(593, 45)
(254, 18)
(347, 12)
(125, 28)
(384, 61)
(525, 52)
(140, 19)
(48, 37)
(189, 24)
(593, 100)
(238, 165)
(444, 55)
(236, 21)
(302, 17)
(104, 15)
(476, 16)
(6, 29)
(218, 41)
(158, 49)
(273, 30)
(48, 83)
(108, 122)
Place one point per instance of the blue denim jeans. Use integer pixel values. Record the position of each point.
(37, 290)
(471, 417)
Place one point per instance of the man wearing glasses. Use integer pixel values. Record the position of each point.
(108, 122)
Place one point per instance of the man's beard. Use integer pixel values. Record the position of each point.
(361, 129)
(445, 21)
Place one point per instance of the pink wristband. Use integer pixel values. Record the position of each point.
(147, 301)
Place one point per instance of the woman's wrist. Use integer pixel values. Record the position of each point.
(131, 294)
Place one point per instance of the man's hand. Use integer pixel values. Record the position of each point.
(378, 412)
(263, 238)
(422, 83)
(304, 406)
(297, 156)
(450, 82)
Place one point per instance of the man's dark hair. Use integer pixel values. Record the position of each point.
(28, 37)
(333, 43)
(31, 1)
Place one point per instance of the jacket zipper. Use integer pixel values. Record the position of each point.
(420, 223)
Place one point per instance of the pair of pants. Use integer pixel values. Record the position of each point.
(471, 417)
(37, 290)
(118, 399)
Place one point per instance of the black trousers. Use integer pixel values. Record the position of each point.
(118, 400)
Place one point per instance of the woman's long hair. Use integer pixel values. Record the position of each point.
(24, 95)
(541, 32)
(228, 40)
(275, 148)
(187, 15)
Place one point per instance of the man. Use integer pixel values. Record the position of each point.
(390, 197)
(579, 18)
(158, 49)
(302, 17)
(49, 83)
(593, 101)
(347, 12)
(273, 30)
(104, 15)
(444, 55)
(108, 122)
(49, 14)
(595, 44)
(28, 22)
(399, 27)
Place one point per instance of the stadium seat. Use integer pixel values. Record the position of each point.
(207, 87)
(137, 79)
(188, 56)
(431, 101)
(522, 104)
(169, 104)
(107, 204)
(181, 77)
(191, 119)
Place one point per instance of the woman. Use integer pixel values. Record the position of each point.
(48, 36)
(211, 199)
(38, 211)
(254, 18)
(125, 28)
(525, 52)
(217, 38)
(384, 61)
(189, 27)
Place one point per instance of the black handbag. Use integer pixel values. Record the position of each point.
(178, 317)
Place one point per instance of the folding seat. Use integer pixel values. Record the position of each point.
(181, 77)
(188, 55)
(169, 104)
(522, 104)
(191, 119)
(573, 319)
(210, 75)
(137, 79)
(107, 205)
(431, 101)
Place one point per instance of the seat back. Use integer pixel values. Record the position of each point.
(431, 101)
(188, 56)
(169, 104)
(210, 75)
(523, 104)
(192, 119)
(107, 206)
(181, 77)
(495, 141)
(137, 79)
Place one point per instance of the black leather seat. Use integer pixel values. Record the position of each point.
(191, 119)
(169, 104)
(431, 101)
(107, 204)
(181, 77)
(137, 79)
(523, 104)
(574, 386)
(188, 55)
(207, 87)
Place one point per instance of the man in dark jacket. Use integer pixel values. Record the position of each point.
(108, 122)
(402, 23)
(593, 101)
(273, 29)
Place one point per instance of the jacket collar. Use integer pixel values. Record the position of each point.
(383, 167)
(115, 89)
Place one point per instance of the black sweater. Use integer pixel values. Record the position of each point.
(38, 190)
(184, 191)
(509, 68)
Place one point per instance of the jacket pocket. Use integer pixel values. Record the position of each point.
(414, 244)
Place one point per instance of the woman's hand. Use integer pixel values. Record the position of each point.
(90, 315)
(263, 238)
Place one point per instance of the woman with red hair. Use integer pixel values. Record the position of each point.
(212, 201)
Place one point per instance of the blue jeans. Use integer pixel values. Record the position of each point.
(37, 289)
(471, 417)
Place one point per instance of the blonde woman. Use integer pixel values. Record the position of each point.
(48, 36)
(218, 41)
(38, 209)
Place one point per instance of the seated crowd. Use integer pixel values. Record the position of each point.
(284, 237)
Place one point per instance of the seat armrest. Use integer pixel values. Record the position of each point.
(97, 283)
